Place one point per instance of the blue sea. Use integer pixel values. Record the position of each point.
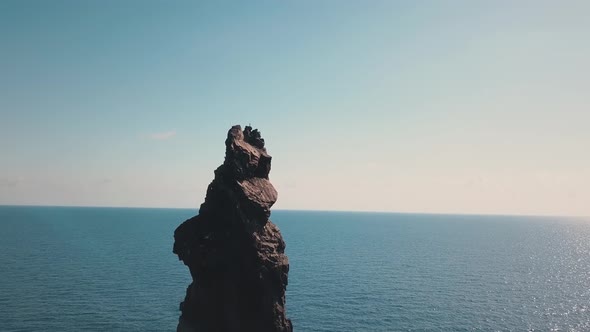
(112, 269)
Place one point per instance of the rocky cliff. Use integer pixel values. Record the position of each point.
(235, 254)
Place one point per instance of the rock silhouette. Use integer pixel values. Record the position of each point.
(235, 254)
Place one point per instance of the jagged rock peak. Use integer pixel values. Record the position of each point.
(245, 154)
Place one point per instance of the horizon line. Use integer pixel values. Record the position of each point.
(311, 210)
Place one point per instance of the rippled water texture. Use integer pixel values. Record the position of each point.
(99, 269)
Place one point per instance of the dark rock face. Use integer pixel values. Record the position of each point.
(234, 253)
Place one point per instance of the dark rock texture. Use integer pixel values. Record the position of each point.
(234, 253)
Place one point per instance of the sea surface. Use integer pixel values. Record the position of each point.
(112, 269)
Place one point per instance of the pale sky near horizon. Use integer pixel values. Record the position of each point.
(408, 106)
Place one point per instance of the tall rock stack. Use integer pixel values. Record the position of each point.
(235, 254)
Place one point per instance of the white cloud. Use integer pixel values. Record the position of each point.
(163, 135)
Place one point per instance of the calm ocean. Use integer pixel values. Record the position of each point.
(110, 269)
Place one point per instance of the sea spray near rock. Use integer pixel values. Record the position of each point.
(235, 254)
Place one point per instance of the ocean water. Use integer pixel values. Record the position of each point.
(109, 269)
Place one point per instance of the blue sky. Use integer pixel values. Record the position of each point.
(429, 106)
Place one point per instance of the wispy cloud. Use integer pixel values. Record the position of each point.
(163, 135)
(10, 182)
